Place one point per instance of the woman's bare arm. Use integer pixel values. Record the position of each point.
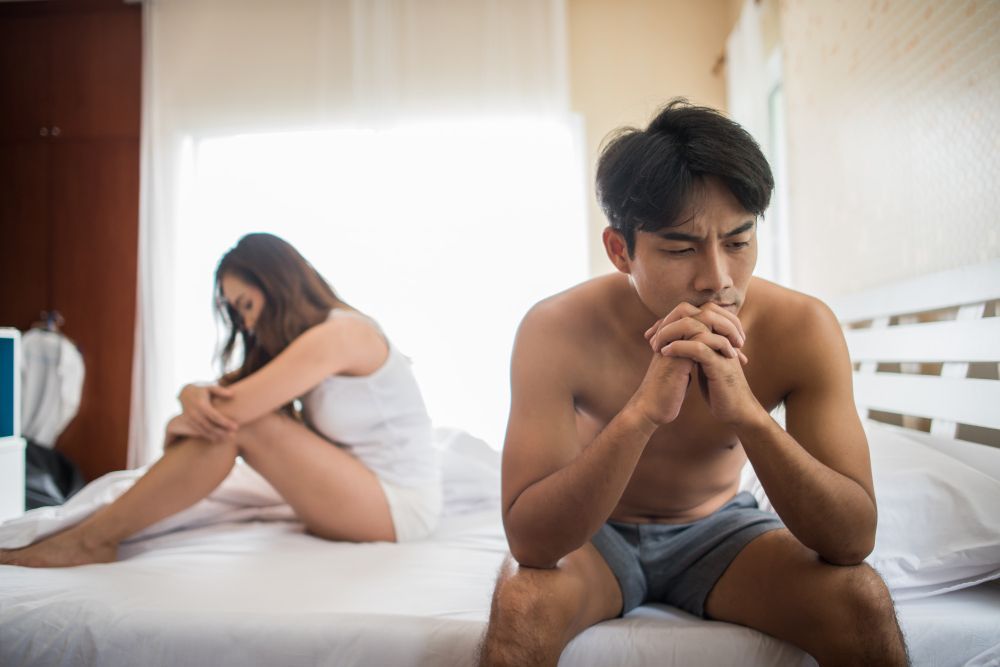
(345, 345)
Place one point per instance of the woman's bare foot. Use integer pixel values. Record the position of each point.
(64, 549)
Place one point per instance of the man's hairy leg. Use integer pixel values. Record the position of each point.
(535, 612)
(841, 615)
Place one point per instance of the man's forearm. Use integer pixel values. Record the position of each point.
(827, 511)
(559, 513)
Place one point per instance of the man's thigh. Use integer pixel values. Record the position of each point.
(780, 587)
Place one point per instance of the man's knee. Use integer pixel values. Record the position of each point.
(866, 594)
(522, 594)
(864, 598)
(528, 618)
(863, 619)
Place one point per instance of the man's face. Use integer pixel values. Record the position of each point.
(709, 258)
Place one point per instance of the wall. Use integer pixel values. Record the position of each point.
(893, 136)
(69, 198)
(628, 57)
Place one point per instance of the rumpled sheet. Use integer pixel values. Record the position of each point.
(470, 468)
(243, 496)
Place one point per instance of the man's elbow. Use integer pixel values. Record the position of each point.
(528, 558)
(850, 552)
(852, 547)
(532, 553)
(536, 542)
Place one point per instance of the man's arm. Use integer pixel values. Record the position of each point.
(556, 495)
(817, 475)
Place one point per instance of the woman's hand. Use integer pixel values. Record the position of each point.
(201, 415)
(178, 428)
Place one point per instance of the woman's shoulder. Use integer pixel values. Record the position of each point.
(342, 326)
(357, 339)
(346, 313)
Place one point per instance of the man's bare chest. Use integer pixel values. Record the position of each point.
(613, 379)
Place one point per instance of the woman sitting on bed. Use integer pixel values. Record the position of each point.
(380, 482)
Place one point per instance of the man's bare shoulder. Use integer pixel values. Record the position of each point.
(800, 333)
(560, 331)
(575, 314)
(775, 307)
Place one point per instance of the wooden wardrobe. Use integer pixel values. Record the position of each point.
(70, 99)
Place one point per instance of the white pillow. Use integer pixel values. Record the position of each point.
(939, 519)
(470, 472)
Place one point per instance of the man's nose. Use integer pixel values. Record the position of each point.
(713, 272)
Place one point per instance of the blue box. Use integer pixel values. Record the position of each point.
(10, 383)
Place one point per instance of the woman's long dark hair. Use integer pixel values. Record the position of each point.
(296, 297)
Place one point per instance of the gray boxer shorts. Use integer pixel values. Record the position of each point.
(679, 564)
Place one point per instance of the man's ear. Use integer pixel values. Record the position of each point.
(617, 249)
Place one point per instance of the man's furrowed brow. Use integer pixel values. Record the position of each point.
(745, 227)
(681, 236)
(678, 236)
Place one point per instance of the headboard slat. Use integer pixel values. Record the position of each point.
(964, 340)
(969, 313)
(965, 401)
(946, 289)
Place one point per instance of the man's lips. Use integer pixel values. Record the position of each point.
(728, 306)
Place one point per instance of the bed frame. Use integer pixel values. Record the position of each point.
(914, 344)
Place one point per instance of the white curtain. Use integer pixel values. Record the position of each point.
(755, 100)
(419, 152)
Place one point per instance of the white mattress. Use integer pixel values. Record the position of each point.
(265, 593)
(961, 628)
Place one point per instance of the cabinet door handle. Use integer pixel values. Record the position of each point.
(56, 131)
(43, 132)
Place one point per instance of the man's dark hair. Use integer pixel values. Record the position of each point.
(646, 179)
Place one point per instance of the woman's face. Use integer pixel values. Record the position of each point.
(245, 299)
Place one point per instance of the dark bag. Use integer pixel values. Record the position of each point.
(50, 478)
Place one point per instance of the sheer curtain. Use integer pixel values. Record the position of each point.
(755, 94)
(419, 152)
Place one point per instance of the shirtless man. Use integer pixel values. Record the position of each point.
(638, 396)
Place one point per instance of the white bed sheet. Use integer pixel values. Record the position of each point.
(959, 629)
(235, 581)
(264, 593)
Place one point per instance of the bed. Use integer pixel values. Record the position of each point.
(235, 581)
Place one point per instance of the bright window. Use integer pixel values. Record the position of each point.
(445, 232)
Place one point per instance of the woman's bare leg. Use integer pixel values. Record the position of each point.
(333, 493)
(187, 472)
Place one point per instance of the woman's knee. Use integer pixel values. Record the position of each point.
(264, 429)
(205, 446)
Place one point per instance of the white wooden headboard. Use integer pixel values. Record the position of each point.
(940, 323)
